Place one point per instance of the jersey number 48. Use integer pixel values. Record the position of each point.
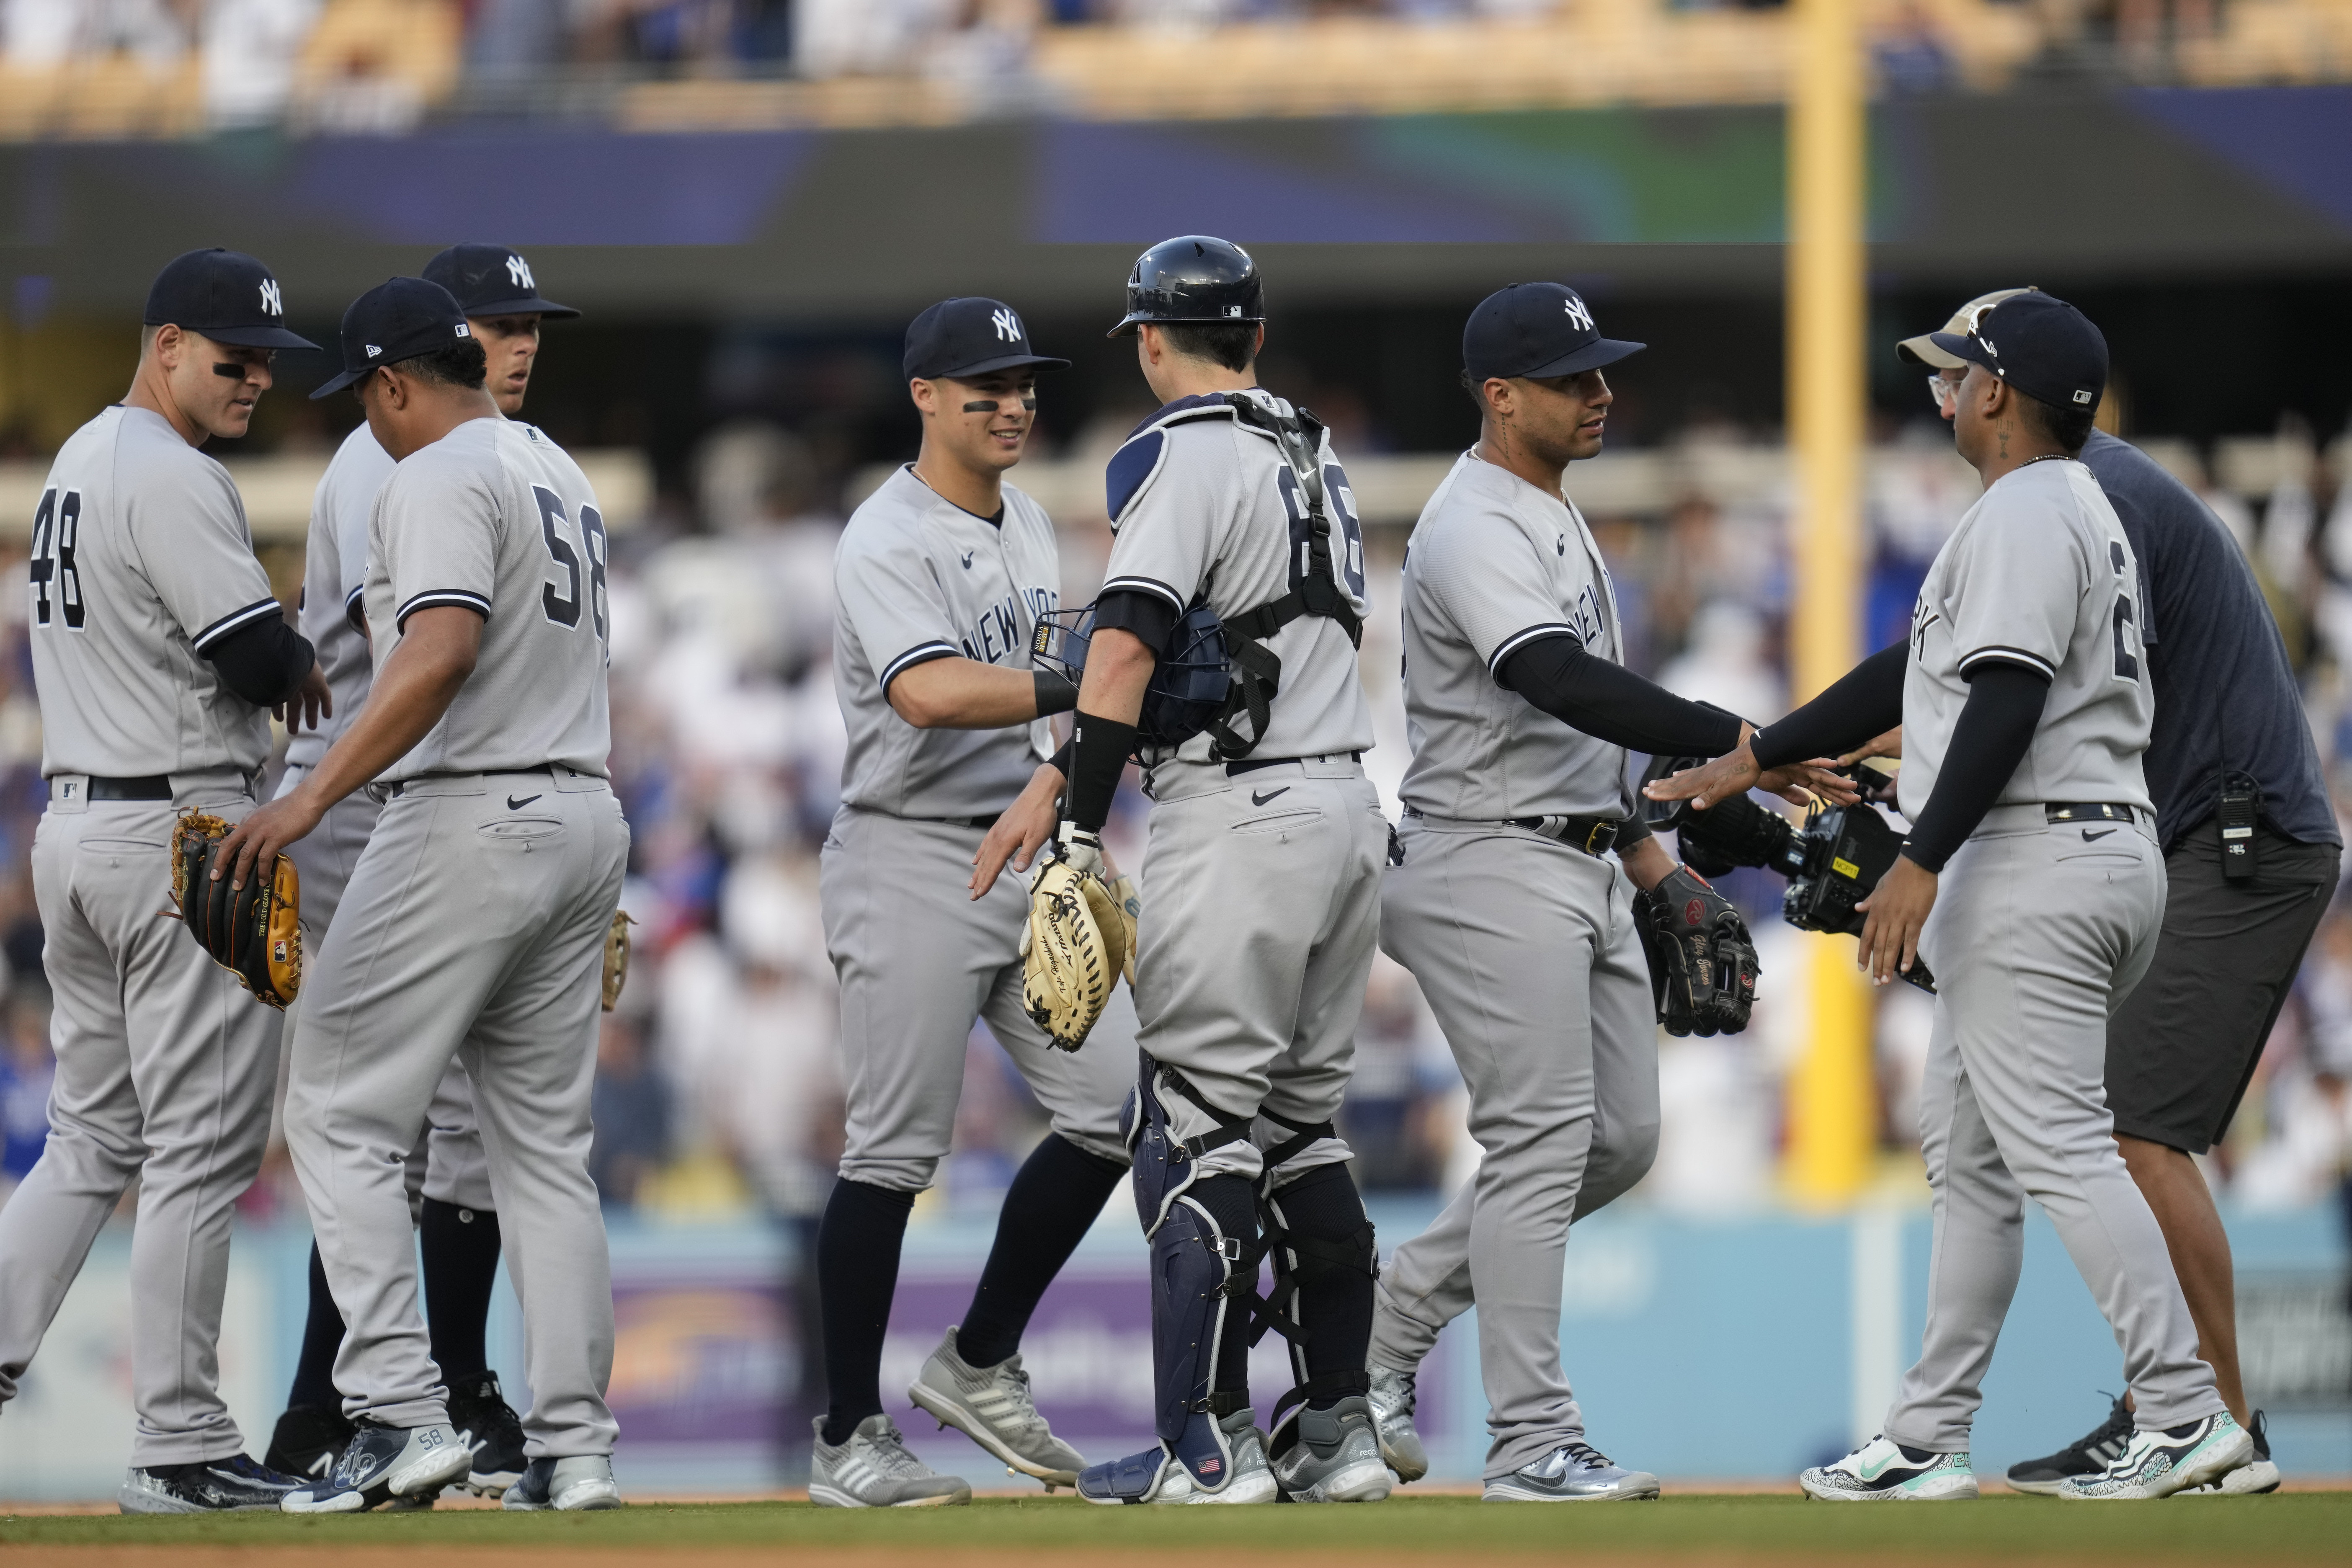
(56, 528)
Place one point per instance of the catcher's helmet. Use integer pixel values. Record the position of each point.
(1193, 277)
(1188, 687)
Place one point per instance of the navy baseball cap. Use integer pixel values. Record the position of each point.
(2039, 344)
(397, 320)
(491, 281)
(970, 336)
(227, 296)
(1536, 329)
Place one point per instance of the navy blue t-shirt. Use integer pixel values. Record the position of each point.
(2225, 695)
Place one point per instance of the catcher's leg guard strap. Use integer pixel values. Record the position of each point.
(1325, 1263)
(1164, 1163)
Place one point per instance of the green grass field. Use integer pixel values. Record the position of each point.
(2304, 1527)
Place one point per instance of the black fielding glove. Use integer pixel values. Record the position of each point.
(1703, 966)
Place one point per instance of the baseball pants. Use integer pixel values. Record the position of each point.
(447, 1164)
(1261, 906)
(1526, 952)
(918, 959)
(165, 1069)
(2038, 934)
(475, 932)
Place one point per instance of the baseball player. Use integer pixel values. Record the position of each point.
(2024, 696)
(2251, 855)
(942, 576)
(1263, 880)
(1508, 905)
(157, 654)
(474, 921)
(457, 1223)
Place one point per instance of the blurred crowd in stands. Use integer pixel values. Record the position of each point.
(718, 1092)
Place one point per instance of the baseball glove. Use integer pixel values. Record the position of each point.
(255, 932)
(1073, 949)
(1702, 965)
(616, 958)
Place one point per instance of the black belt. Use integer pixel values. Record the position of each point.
(154, 786)
(2088, 811)
(982, 823)
(396, 791)
(1235, 770)
(1593, 835)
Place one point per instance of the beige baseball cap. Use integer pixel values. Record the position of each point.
(1921, 351)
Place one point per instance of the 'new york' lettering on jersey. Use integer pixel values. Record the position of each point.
(140, 563)
(1494, 564)
(497, 519)
(917, 577)
(2040, 574)
(1205, 507)
(334, 581)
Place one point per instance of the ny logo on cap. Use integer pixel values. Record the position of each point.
(1007, 324)
(1579, 315)
(519, 272)
(270, 299)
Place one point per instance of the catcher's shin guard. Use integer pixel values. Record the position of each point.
(1325, 1264)
(1165, 1165)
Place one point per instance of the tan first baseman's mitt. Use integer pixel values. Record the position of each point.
(616, 958)
(255, 932)
(1073, 949)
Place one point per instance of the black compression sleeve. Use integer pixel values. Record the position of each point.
(1612, 703)
(265, 662)
(1996, 726)
(1148, 615)
(1861, 704)
(1100, 749)
(1055, 693)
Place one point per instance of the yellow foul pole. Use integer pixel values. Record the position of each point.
(1831, 1114)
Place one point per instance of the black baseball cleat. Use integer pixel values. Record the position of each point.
(486, 1424)
(2086, 1456)
(233, 1485)
(308, 1441)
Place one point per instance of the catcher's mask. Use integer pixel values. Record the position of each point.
(1188, 688)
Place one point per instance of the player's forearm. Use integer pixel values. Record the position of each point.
(1646, 862)
(1994, 731)
(1865, 702)
(1612, 703)
(1110, 700)
(411, 693)
(965, 694)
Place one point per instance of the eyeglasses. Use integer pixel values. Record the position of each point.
(1944, 389)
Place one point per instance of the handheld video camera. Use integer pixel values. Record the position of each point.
(1831, 862)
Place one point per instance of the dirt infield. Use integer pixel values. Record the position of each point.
(1411, 1531)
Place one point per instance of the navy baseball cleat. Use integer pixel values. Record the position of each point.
(233, 1485)
(308, 1441)
(2086, 1456)
(385, 1465)
(487, 1424)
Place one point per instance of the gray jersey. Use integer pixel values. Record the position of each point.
(334, 575)
(2038, 572)
(1495, 563)
(140, 563)
(1205, 506)
(497, 519)
(920, 578)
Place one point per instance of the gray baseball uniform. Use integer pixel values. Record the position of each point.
(449, 1164)
(1524, 945)
(2039, 930)
(1261, 878)
(140, 561)
(474, 927)
(916, 578)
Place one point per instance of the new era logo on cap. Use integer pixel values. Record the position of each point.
(374, 349)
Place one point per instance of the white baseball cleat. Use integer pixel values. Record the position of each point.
(1883, 1470)
(2157, 1464)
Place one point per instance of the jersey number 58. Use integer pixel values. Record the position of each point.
(562, 606)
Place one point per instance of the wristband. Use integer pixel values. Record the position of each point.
(1055, 693)
(1100, 749)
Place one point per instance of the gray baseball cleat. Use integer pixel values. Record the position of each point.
(873, 1470)
(1331, 1455)
(1391, 1400)
(993, 1407)
(1574, 1472)
(574, 1484)
(385, 1465)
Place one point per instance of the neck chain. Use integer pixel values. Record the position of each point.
(2047, 458)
